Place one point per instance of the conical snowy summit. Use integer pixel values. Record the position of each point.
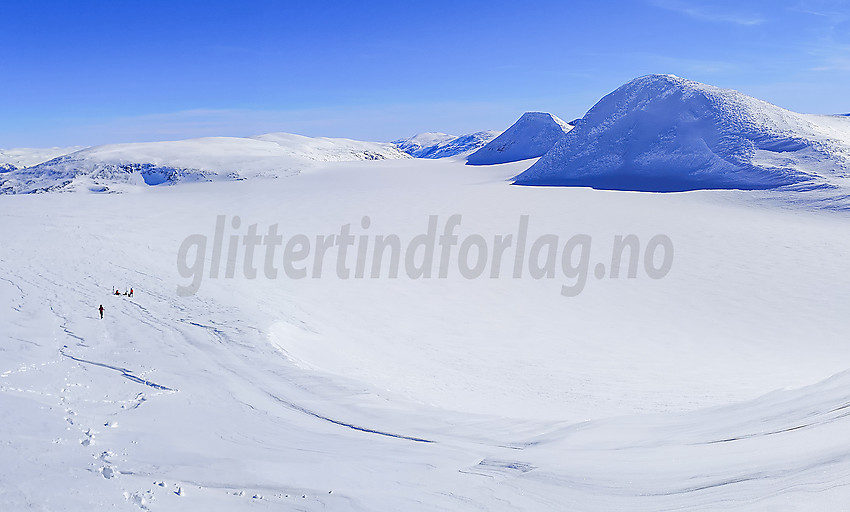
(665, 133)
(530, 137)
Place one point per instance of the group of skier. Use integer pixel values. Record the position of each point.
(128, 293)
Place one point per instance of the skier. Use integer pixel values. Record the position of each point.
(131, 292)
(101, 311)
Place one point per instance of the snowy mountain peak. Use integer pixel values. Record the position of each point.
(543, 117)
(666, 133)
(531, 136)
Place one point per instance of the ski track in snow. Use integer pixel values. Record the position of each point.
(347, 425)
(89, 434)
(127, 374)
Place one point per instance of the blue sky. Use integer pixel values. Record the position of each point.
(88, 72)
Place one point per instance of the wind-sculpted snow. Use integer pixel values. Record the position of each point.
(665, 133)
(116, 167)
(752, 455)
(441, 145)
(531, 136)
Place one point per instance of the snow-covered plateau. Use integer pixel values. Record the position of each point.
(122, 167)
(377, 332)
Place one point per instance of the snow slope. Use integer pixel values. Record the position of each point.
(709, 389)
(531, 136)
(441, 145)
(665, 133)
(27, 157)
(117, 167)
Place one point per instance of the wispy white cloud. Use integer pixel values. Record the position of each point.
(834, 11)
(710, 11)
(835, 63)
(378, 123)
(829, 47)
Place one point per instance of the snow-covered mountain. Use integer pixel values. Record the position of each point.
(531, 136)
(18, 158)
(443, 145)
(115, 166)
(665, 133)
(421, 143)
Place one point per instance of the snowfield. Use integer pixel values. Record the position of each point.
(722, 385)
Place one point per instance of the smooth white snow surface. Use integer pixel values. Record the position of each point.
(665, 133)
(531, 136)
(720, 386)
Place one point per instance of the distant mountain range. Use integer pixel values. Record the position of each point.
(442, 145)
(656, 133)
